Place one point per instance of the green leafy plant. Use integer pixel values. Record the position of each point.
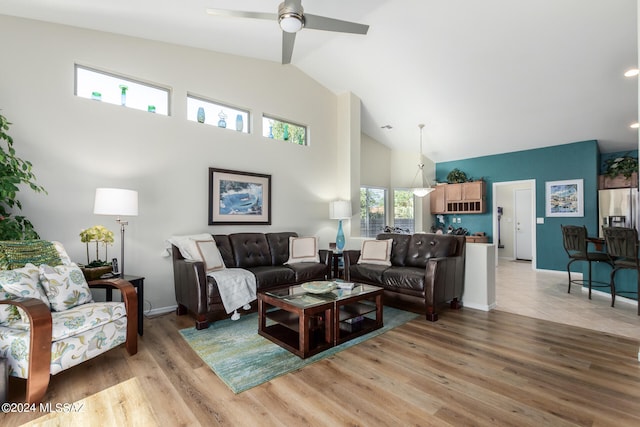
(13, 172)
(624, 165)
(100, 235)
(456, 176)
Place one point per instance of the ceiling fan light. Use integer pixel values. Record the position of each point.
(291, 22)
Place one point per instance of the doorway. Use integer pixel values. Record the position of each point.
(523, 226)
(514, 207)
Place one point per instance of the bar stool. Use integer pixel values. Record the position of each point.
(622, 248)
(574, 239)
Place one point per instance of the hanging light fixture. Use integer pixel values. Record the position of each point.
(425, 188)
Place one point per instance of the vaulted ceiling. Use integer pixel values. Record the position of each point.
(485, 76)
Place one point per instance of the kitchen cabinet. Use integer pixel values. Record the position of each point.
(463, 198)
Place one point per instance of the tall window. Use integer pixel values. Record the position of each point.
(372, 211)
(403, 210)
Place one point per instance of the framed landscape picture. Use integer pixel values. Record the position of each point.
(565, 198)
(239, 197)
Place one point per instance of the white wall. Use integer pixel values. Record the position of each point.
(77, 145)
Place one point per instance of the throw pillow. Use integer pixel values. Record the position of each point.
(303, 249)
(376, 252)
(187, 245)
(210, 254)
(65, 259)
(16, 254)
(21, 282)
(65, 286)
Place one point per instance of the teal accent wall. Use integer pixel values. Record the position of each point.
(579, 160)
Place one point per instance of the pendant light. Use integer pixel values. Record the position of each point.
(425, 187)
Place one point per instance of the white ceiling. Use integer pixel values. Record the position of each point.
(486, 76)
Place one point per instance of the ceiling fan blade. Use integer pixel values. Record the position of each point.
(243, 14)
(316, 22)
(288, 39)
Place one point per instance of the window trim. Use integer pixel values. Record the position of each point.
(385, 204)
(135, 80)
(393, 205)
(289, 122)
(222, 104)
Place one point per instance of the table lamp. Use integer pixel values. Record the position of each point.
(340, 209)
(118, 202)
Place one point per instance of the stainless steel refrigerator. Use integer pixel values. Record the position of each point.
(617, 208)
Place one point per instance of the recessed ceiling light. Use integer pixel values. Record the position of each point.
(635, 126)
(632, 72)
(388, 127)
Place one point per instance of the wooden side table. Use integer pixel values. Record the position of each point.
(138, 284)
(337, 263)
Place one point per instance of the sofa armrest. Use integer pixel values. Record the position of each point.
(190, 282)
(326, 258)
(350, 257)
(130, 298)
(443, 281)
(39, 345)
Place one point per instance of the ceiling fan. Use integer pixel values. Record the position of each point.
(292, 19)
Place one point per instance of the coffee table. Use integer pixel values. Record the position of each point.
(306, 323)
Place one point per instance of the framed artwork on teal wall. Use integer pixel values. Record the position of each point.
(565, 198)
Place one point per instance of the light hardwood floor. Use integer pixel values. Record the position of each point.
(469, 368)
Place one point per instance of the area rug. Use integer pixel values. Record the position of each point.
(243, 359)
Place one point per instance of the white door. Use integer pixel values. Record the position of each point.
(523, 223)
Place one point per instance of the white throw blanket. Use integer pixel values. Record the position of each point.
(237, 287)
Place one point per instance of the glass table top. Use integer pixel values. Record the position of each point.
(300, 297)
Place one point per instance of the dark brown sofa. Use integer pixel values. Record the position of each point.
(263, 254)
(426, 270)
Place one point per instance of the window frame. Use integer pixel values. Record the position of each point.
(365, 227)
(125, 79)
(267, 117)
(412, 229)
(222, 105)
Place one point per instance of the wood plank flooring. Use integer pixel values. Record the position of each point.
(469, 368)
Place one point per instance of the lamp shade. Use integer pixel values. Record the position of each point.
(340, 209)
(116, 201)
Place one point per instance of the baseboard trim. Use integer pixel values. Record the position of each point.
(160, 311)
(619, 298)
(482, 307)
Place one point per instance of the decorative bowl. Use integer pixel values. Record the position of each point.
(319, 287)
(93, 273)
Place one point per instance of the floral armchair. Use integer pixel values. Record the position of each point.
(48, 319)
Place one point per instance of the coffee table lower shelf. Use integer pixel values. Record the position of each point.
(290, 339)
(306, 329)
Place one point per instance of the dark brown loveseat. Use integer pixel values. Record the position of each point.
(426, 270)
(263, 254)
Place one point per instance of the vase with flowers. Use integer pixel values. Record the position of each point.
(101, 236)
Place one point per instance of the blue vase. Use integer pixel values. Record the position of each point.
(239, 123)
(200, 115)
(222, 123)
(340, 237)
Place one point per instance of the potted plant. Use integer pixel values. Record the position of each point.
(624, 165)
(13, 172)
(456, 176)
(101, 236)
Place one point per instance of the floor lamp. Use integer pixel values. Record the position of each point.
(118, 202)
